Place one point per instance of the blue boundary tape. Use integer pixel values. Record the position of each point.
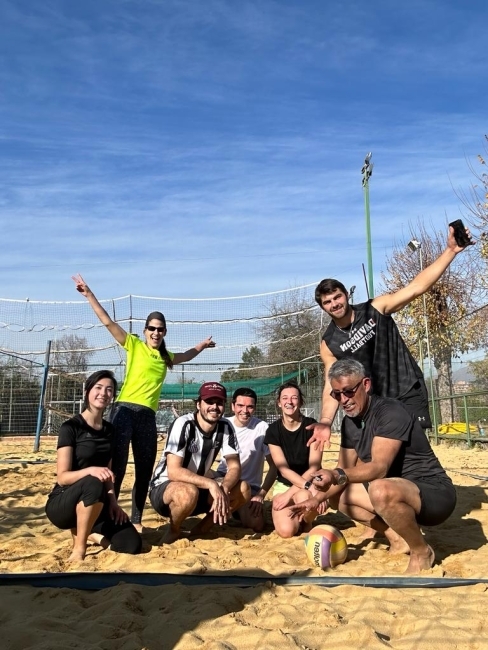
(96, 581)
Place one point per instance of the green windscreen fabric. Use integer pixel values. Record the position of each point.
(263, 386)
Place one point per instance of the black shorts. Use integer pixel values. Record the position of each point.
(416, 401)
(437, 499)
(156, 499)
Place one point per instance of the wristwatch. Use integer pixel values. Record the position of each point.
(308, 485)
(342, 478)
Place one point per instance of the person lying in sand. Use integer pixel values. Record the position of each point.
(388, 477)
(183, 483)
(83, 498)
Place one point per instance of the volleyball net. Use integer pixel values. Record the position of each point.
(261, 340)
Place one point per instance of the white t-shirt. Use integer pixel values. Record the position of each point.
(198, 450)
(252, 452)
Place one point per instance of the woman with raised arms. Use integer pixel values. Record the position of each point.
(134, 415)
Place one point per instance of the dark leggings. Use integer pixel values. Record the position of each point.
(61, 511)
(135, 425)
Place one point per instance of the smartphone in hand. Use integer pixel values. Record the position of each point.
(460, 234)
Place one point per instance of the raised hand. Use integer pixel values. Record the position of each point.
(81, 285)
(320, 437)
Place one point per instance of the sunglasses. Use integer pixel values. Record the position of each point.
(347, 392)
(159, 330)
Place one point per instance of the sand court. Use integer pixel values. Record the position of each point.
(264, 615)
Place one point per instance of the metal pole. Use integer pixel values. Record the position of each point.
(366, 171)
(466, 419)
(41, 399)
(429, 356)
(183, 382)
(11, 399)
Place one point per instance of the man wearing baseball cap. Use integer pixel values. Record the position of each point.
(183, 483)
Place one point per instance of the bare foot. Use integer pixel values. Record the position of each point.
(139, 528)
(203, 527)
(77, 555)
(421, 561)
(367, 534)
(397, 544)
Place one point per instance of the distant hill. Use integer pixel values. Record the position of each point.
(462, 374)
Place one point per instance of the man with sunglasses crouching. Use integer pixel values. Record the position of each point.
(183, 483)
(367, 332)
(387, 476)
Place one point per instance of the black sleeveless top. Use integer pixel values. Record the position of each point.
(374, 340)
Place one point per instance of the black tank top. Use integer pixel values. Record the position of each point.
(374, 340)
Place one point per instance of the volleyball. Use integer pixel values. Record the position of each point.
(326, 547)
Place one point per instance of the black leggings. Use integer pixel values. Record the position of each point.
(135, 425)
(61, 511)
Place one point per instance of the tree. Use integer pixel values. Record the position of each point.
(292, 330)
(70, 355)
(480, 372)
(19, 395)
(289, 335)
(249, 368)
(476, 202)
(454, 324)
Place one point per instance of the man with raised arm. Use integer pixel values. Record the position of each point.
(387, 476)
(368, 333)
(183, 483)
(250, 433)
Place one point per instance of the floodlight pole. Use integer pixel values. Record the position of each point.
(366, 172)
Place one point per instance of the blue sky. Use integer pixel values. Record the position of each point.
(213, 148)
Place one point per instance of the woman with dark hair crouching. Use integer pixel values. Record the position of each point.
(83, 499)
(134, 415)
(295, 462)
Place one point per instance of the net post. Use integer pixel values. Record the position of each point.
(43, 394)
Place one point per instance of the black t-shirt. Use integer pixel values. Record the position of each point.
(91, 448)
(388, 418)
(293, 444)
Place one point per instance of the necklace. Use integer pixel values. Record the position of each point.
(349, 329)
(345, 330)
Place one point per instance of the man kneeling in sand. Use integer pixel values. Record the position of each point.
(181, 485)
(388, 476)
(250, 432)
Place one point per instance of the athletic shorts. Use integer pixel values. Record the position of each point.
(280, 488)
(437, 498)
(156, 498)
(416, 402)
